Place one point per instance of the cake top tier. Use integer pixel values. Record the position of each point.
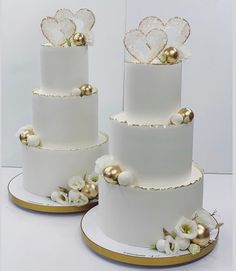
(156, 42)
(67, 29)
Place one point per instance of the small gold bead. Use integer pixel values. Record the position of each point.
(24, 135)
(171, 54)
(187, 114)
(86, 89)
(90, 190)
(79, 39)
(203, 236)
(111, 174)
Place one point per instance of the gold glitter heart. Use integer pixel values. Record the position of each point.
(56, 32)
(145, 47)
(180, 26)
(84, 18)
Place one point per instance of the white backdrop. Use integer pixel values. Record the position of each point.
(206, 76)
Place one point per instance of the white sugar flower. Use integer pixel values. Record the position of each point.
(23, 128)
(194, 249)
(125, 178)
(59, 197)
(161, 245)
(186, 228)
(89, 38)
(203, 217)
(92, 178)
(183, 243)
(103, 162)
(76, 183)
(78, 198)
(171, 246)
(177, 119)
(33, 140)
(76, 92)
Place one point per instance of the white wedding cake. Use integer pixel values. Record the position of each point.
(61, 146)
(148, 182)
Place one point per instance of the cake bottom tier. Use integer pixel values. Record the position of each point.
(44, 170)
(136, 216)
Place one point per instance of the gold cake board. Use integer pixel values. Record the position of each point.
(24, 199)
(108, 248)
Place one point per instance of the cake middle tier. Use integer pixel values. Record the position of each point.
(158, 156)
(64, 122)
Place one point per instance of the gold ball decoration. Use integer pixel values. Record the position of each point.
(111, 174)
(79, 39)
(90, 190)
(187, 114)
(203, 236)
(171, 54)
(86, 89)
(24, 135)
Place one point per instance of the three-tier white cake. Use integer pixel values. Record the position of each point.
(63, 141)
(149, 182)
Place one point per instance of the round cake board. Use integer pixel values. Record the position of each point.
(108, 248)
(27, 200)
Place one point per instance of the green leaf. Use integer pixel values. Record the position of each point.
(153, 246)
(68, 42)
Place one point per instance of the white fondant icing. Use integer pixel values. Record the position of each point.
(66, 122)
(152, 93)
(136, 216)
(44, 169)
(157, 156)
(63, 69)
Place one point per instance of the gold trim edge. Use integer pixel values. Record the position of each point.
(128, 123)
(45, 208)
(103, 142)
(144, 261)
(36, 93)
(200, 179)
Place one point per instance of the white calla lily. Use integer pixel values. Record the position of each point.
(59, 197)
(76, 183)
(171, 246)
(78, 198)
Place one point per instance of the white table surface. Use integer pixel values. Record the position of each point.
(41, 242)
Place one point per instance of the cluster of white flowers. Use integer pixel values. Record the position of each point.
(185, 231)
(73, 195)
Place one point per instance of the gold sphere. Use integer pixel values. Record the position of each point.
(90, 190)
(187, 114)
(79, 39)
(203, 236)
(111, 174)
(24, 135)
(86, 89)
(171, 54)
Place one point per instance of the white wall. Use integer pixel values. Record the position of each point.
(206, 77)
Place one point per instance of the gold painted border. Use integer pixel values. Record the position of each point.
(143, 261)
(120, 120)
(37, 92)
(47, 209)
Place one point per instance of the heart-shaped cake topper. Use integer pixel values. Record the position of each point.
(84, 19)
(178, 29)
(145, 47)
(57, 32)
